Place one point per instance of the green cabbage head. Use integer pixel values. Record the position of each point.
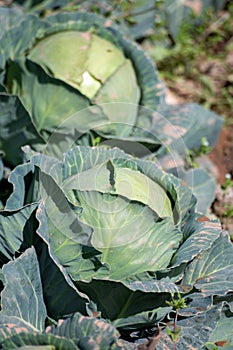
(107, 218)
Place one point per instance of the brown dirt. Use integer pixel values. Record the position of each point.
(222, 154)
(222, 157)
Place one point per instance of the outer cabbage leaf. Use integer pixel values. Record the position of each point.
(8, 18)
(13, 43)
(57, 100)
(201, 234)
(211, 270)
(203, 186)
(61, 296)
(134, 304)
(14, 231)
(191, 122)
(22, 196)
(16, 128)
(22, 290)
(222, 335)
(75, 332)
(38, 341)
(1, 177)
(141, 14)
(1, 169)
(200, 180)
(89, 333)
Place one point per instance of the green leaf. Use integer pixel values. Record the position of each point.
(57, 101)
(38, 341)
(111, 59)
(126, 182)
(197, 303)
(18, 177)
(30, 347)
(9, 17)
(55, 278)
(1, 169)
(63, 55)
(120, 102)
(16, 129)
(144, 318)
(183, 201)
(223, 331)
(66, 236)
(20, 37)
(75, 130)
(174, 335)
(13, 230)
(113, 236)
(128, 303)
(138, 187)
(211, 270)
(86, 332)
(143, 13)
(152, 88)
(140, 283)
(190, 121)
(201, 236)
(203, 187)
(22, 290)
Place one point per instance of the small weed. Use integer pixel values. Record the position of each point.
(211, 346)
(228, 211)
(95, 140)
(192, 154)
(176, 304)
(228, 182)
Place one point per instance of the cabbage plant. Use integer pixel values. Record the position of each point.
(52, 69)
(112, 237)
(64, 64)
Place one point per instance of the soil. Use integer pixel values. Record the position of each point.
(222, 157)
(222, 154)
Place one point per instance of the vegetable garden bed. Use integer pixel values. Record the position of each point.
(106, 237)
